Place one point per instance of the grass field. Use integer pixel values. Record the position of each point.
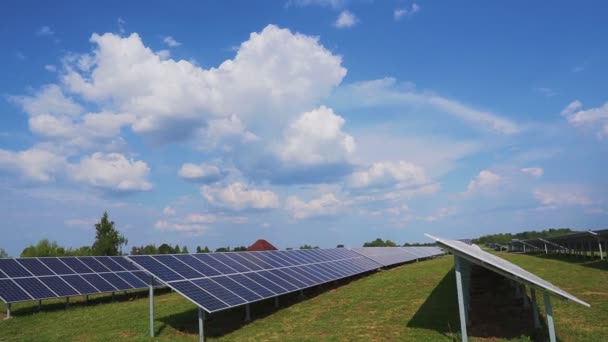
(414, 302)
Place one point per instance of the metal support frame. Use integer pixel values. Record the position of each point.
(549, 312)
(8, 311)
(247, 312)
(301, 294)
(40, 305)
(151, 297)
(534, 308)
(201, 325)
(67, 302)
(599, 244)
(526, 301)
(458, 267)
(276, 302)
(86, 298)
(546, 250)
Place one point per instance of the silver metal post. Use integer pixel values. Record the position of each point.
(113, 298)
(534, 308)
(461, 304)
(549, 311)
(8, 310)
(151, 296)
(39, 305)
(276, 302)
(247, 313)
(599, 244)
(301, 294)
(86, 298)
(546, 251)
(525, 302)
(67, 302)
(201, 325)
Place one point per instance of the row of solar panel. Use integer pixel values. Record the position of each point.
(190, 266)
(388, 256)
(28, 267)
(226, 291)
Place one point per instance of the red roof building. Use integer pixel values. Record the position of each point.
(261, 245)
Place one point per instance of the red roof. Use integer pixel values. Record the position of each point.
(261, 245)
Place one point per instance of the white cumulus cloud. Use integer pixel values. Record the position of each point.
(35, 164)
(484, 180)
(239, 196)
(380, 174)
(170, 41)
(111, 172)
(533, 171)
(200, 172)
(346, 19)
(399, 13)
(559, 196)
(325, 205)
(595, 119)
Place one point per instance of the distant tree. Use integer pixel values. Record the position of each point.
(176, 250)
(202, 250)
(144, 250)
(308, 247)
(3, 253)
(418, 244)
(165, 249)
(507, 237)
(44, 248)
(289, 249)
(185, 250)
(380, 243)
(108, 240)
(240, 249)
(340, 246)
(223, 249)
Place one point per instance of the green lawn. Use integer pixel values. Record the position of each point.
(415, 302)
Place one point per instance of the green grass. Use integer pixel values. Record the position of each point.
(415, 302)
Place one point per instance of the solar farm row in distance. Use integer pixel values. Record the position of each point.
(218, 281)
(24, 279)
(388, 256)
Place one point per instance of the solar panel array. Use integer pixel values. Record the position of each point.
(218, 281)
(475, 254)
(24, 279)
(388, 256)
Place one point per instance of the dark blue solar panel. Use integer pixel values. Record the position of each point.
(99, 282)
(145, 277)
(219, 292)
(305, 258)
(345, 264)
(318, 254)
(311, 253)
(155, 267)
(201, 297)
(244, 261)
(267, 258)
(76, 265)
(35, 288)
(10, 292)
(56, 265)
(222, 268)
(265, 282)
(197, 265)
(281, 258)
(289, 278)
(2, 275)
(12, 269)
(252, 285)
(312, 277)
(93, 264)
(291, 257)
(299, 276)
(79, 284)
(252, 258)
(178, 266)
(35, 267)
(317, 272)
(237, 288)
(60, 287)
(132, 280)
(277, 279)
(334, 272)
(126, 264)
(116, 281)
(109, 263)
(230, 261)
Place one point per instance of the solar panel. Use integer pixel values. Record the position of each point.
(478, 256)
(388, 256)
(24, 279)
(225, 280)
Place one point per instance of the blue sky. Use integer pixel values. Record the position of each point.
(302, 121)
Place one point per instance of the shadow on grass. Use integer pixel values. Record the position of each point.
(586, 262)
(440, 310)
(224, 322)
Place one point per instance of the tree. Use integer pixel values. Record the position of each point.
(44, 248)
(3, 253)
(380, 243)
(202, 250)
(176, 249)
(240, 249)
(222, 249)
(308, 247)
(289, 249)
(340, 246)
(185, 250)
(108, 240)
(165, 249)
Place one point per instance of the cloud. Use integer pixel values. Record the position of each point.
(594, 118)
(239, 196)
(325, 205)
(171, 99)
(85, 224)
(35, 164)
(121, 24)
(386, 92)
(484, 180)
(169, 211)
(203, 173)
(323, 3)
(401, 174)
(346, 19)
(563, 196)
(190, 229)
(547, 92)
(399, 13)
(316, 138)
(111, 172)
(170, 41)
(533, 171)
(50, 68)
(45, 31)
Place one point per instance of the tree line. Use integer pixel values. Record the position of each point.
(533, 234)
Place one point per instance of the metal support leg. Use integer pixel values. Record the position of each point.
(534, 308)
(67, 302)
(201, 325)
(276, 302)
(113, 297)
(151, 296)
(461, 304)
(546, 251)
(549, 311)
(599, 244)
(86, 298)
(247, 313)
(39, 305)
(301, 294)
(526, 302)
(8, 310)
